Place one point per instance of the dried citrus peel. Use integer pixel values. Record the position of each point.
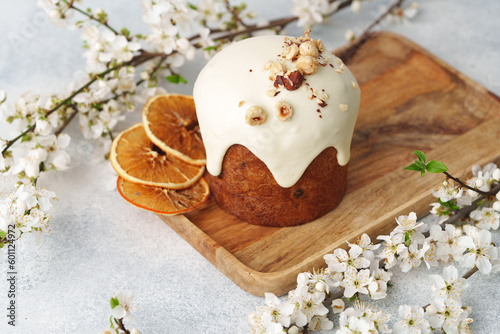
(171, 123)
(164, 201)
(136, 159)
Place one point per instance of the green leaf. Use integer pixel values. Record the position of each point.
(436, 167)
(190, 5)
(353, 298)
(416, 167)
(210, 48)
(125, 32)
(451, 204)
(114, 302)
(421, 155)
(176, 78)
(26, 137)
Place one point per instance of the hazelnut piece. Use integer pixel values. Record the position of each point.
(320, 45)
(255, 115)
(308, 49)
(283, 111)
(277, 68)
(307, 64)
(292, 52)
(293, 80)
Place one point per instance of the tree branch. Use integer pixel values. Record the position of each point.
(466, 186)
(92, 17)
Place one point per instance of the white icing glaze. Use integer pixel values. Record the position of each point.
(287, 148)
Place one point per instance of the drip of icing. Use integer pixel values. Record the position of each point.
(235, 80)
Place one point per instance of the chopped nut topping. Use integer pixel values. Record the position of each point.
(291, 80)
(255, 115)
(241, 103)
(295, 79)
(277, 68)
(307, 64)
(338, 61)
(268, 65)
(320, 45)
(343, 107)
(292, 52)
(308, 49)
(271, 93)
(353, 84)
(283, 111)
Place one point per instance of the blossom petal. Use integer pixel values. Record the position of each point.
(484, 265)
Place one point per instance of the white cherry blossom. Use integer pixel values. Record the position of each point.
(480, 251)
(311, 12)
(449, 285)
(412, 257)
(354, 325)
(355, 281)
(445, 313)
(124, 307)
(412, 321)
(277, 311)
(393, 246)
(448, 191)
(320, 323)
(486, 218)
(366, 245)
(340, 260)
(447, 244)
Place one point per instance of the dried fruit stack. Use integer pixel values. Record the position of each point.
(160, 162)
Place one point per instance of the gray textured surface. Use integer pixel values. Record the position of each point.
(100, 244)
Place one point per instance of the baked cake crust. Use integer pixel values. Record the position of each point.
(247, 189)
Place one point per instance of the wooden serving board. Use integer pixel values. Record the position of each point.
(410, 100)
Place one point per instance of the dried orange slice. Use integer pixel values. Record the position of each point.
(171, 123)
(161, 200)
(135, 158)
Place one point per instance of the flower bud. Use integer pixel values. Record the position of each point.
(496, 174)
(356, 6)
(320, 286)
(338, 305)
(293, 330)
(496, 206)
(479, 183)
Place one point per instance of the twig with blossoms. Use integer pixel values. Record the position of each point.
(357, 273)
(121, 307)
